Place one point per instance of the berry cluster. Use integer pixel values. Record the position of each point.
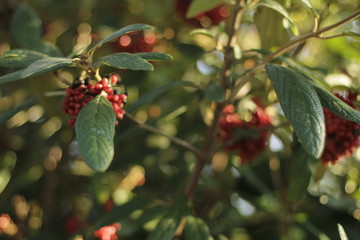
(342, 136)
(136, 42)
(107, 232)
(209, 18)
(247, 147)
(82, 91)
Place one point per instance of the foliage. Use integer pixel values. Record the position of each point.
(227, 119)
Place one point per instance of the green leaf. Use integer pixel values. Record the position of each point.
(120, 32)
(214, 92)
(11, 77)
(48, 48)
(165, 229)
(200, 6)
(154, 93)
(337, 106)
(301, 106)
(20, 58)
(277, 7)
(95, 130)
(313, 10)
(26, 27)
(127, 61)
(196, 229)
(299, 174)
(154, 56)
(22, 106)
(44, 65)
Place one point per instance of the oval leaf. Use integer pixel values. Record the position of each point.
(120, 32)
(196, 229)
(301, 106)
(165, 229)
(11, 77)
(127, 61)
(338, 107)
(200, 6)
(214, 92)
(20, 58)
(154, 56)
(44, 65)
(95, 130)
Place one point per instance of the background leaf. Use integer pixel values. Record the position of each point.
(196, 229)
(20, 58)
(277, 7)
(335, 105)
(301, 106)
(165, 229)
(214, 92)
(95, 130)
(127, 61)
(154, 56)
(200, 6)
(45, 65)
(120, 32)
(22, 106)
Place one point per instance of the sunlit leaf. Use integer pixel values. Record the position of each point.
(20, 58)
(127, 61)
(95, 130)
(277, 7)
(214, 92)
(154, 56)
(165, 229)
(301, 106)
(120, 32)
(200, 6)
(337, 106)
(44, 65)
(196, 229)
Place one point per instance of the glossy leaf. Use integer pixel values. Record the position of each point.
(20, 58)
(214, 92)
(44, 65)
(165, 229)
(95, 130)
(127, 61)
(301, 106)
(11, 77)
(196, 229)
(299, 174)
(120, 32)
(22, 106)
(26, 27)
(200, 6)
(337, 106)
(277, 7)
(154, 56)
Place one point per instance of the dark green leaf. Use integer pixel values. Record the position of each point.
(47, 48)
(127, 61)
(337, 106)
(26, 27)
(165, 229)
(277, 7)
(44, 65)
(214, 92)
(196, 229)
(20, 58)
(299, 174)
(120, 32)
(154, 56)
(301, 106)
(95, 130)
(200, 6)
(22, 106)
(151, 95)
(11, 77)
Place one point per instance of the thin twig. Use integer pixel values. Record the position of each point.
(175, 140)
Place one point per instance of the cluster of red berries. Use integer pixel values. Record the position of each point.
(107, 232)
(247, 147)
(209, 18)
(136, 42)
(82, 91)
(342, 136)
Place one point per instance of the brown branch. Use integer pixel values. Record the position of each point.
(175, 140)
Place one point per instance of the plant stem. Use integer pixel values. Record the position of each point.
(175, 140)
